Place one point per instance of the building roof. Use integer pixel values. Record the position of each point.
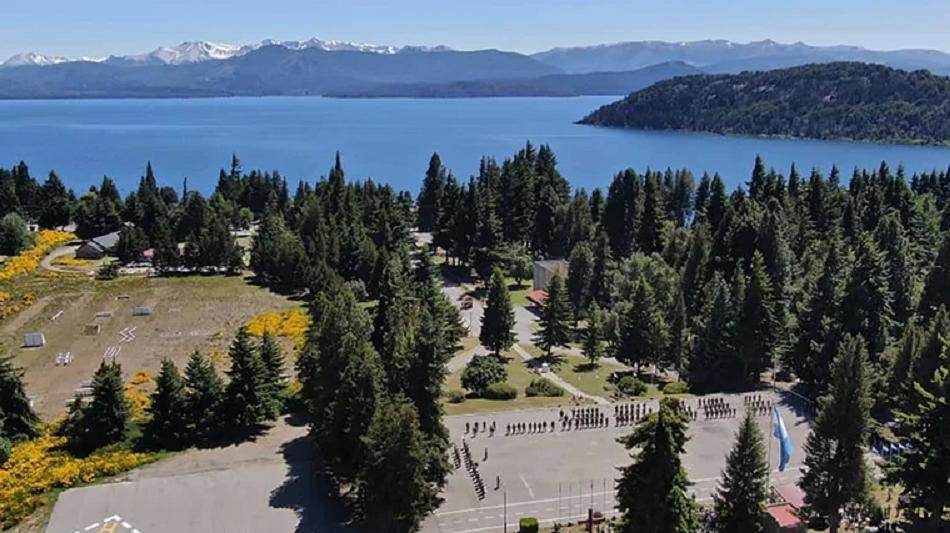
(784, 515)
(792, 494)
(538, 297)
(552, 264)
(107, 241)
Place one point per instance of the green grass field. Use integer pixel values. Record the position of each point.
(519, 376)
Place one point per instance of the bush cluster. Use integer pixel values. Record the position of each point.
(543, 387)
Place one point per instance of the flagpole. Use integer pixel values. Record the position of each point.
(770, 436)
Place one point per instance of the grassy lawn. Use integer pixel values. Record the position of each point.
(576, 371)
(519, 375)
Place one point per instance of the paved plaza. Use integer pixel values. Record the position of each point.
(267, 485)
(559, 475)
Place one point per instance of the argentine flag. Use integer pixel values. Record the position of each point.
(782, 435)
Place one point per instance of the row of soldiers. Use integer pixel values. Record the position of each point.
(472, 427)
(472, 468)
(630, 413)
(583, 418)
(757, 404)
(522, 428)
(715, 408)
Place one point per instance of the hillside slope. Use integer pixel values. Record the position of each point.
(852, 101)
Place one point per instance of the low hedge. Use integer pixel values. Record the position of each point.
(543, 387)
(455, 396)
(528, 525)
(676, 387)
(632, 386)
(500, 391)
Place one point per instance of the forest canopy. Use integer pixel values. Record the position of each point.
(848, 101)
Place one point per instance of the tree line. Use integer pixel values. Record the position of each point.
(784, 274)
(854, 101)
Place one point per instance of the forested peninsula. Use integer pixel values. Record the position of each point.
(844, 101)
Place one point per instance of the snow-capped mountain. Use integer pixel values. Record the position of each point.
(31, 58)
(198, 51)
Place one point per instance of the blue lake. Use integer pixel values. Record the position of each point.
(386, 139)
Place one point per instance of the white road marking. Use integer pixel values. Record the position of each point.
(126, 525)
(523, 480)
(91, 526)
(500, 506)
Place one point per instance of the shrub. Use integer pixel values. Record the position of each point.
(632, 386)
(676, 387)
(14, 236)
(292, 324)
(455, 396)
(290, 399)
(5, 447)
(482, 372)
(543, 387)
(500, 391)
(108, 271)
(528, 525)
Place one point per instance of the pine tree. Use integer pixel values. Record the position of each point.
(921, 469)
(834, 479)
(740, 501)
(937, 287)
(273, 359)
(866, 307)
(554, 324)
(593, 347)
(715, 343)
(17, 419)
(393, 324)
(499, 317)
(643, 330)
(818, 329)
(348, 416)
(393, 492)
(430, 197)
(650, 236)
(600, 273)
(678, 348)
(103, 421)
(756, 331)
(652, 492)
(204, 398)
(579, 279)
(246, 393)
(167, 408)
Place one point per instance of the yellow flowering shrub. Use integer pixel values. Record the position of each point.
(292, 324)
(71, 262)
(140, 377)
(220, 358)
(29, 260)
(12, 305)
(38, 466)
(136, 395)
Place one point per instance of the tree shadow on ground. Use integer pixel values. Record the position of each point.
(309, 494)
(586, 367)
(803, 408)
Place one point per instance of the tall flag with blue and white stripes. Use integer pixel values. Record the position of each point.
(782, 435)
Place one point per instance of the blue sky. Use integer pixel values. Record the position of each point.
(100, 27)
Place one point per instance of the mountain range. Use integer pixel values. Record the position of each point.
(346, 69)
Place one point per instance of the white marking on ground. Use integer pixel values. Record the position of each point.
(523, 480)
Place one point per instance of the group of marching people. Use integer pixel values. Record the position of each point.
(583, 418)
(472, 427)
(714, 408)
(757, 404)
(630, 413)
(472, 468)
(523, 428)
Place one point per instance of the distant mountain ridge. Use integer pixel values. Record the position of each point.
(348, 69)
(848, 101)
(198, 51)
(591, 83)
(725, 57)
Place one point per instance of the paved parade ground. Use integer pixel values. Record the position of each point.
(267, 485)
(560, 474)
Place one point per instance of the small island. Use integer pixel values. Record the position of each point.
(843, 101)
